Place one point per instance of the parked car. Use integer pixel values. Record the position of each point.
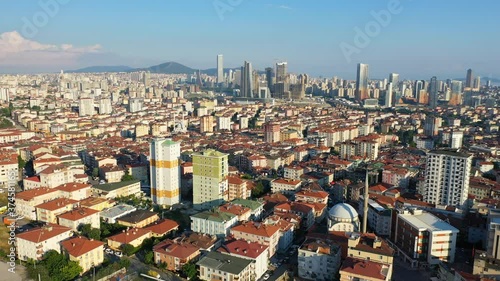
(109, 251)
(266, 276)
(118, 254)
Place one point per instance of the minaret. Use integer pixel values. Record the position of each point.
(365, 202)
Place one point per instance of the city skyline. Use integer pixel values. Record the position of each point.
(35, 38)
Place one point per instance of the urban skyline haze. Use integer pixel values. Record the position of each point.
(417, 39)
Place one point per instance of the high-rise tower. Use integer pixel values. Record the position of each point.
(246, 80)
(165, 171)
(433, 92)
(220, 69)
(362, 82)
(469, 79)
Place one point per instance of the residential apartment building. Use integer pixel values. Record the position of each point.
(79, 216)
(117, 189)
(287, 186)
(9, 174)
(26, 201)
(48, 211)
(175, 253)
(293, 172)
(165, 171)
(318, 259)
(287, 229)
(237, 188)
(424, 238)
(447, 177)
(88, 253)
(257, 253)
(34, 243)
(218, 266)
(210, 185)
(213, 223)
(258, 232)
(132, 236)
(379, 217)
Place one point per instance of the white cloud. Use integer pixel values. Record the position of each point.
(285, 7)
(17, 51)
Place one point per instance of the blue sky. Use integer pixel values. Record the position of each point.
(423, 38)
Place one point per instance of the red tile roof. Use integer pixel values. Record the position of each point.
(176, 249)
(242, 247)
(56, 204)
(163, 227)
(130, 235)
(44, 233)
(256, 228)
(363, 268)
(78, 214)
(32, 193)
(78, 246)
(72, 186)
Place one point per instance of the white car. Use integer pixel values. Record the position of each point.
(109, 251)
(266, 276)
(118, 254)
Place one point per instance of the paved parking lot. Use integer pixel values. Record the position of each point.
(19, 274)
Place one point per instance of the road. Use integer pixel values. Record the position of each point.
(18, 275)
(137, 266)
(403, 272)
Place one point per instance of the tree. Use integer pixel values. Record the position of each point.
(189, 269)
(54, 266)
(128, 249)
(127, 176)
(95, 172)
(35, 108)
(20, 162)
(258, 190)
(149, 257)
(124, 263)
(94, 234)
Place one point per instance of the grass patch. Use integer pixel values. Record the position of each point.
(3, 199)
(4, 241)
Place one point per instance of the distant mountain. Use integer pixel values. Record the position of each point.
(169, 68)
(117, 68)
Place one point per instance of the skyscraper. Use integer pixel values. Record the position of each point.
(394, 79)
(433, 92)
(469, 79)
(272, 132)
(86, 107)
(269, 79)
(362, 82)
(210, 171)
(419, 85)
(246, 80)
(281, 71)
(220, 69)
(477, 83)
(447, 177)
(388, 95)
(165, 171)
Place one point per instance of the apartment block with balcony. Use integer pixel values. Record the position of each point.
(213, 223)
(26, 201)
(80, 216)
(218, 266)
(175, 253)
(88, 253)
(48, 211)
(319, 259)
(424, 239)
(286, 186)
(268, 235)
(256, 252)
(34, 243)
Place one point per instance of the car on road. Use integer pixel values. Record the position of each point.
(266, 276)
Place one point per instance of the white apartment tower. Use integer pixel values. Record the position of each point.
(165, 171)
(86, 107)
(447, 177)
(105, 106)
(220, 69)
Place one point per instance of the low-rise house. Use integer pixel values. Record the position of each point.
(256, 207)
(218, 266)
(256, 252)
(305, 212)
(118, 189)
(312, 196)
(359, 269)
(243, 213)
(213, 223)
(162, 227)
(205, 242)
(80, 216)
(132, 236)
(88, 253)
(138, 218)
(175, 253)
(111, 173)
(34, 243)
(258, 232)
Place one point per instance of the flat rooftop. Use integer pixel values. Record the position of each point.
(427, 221)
